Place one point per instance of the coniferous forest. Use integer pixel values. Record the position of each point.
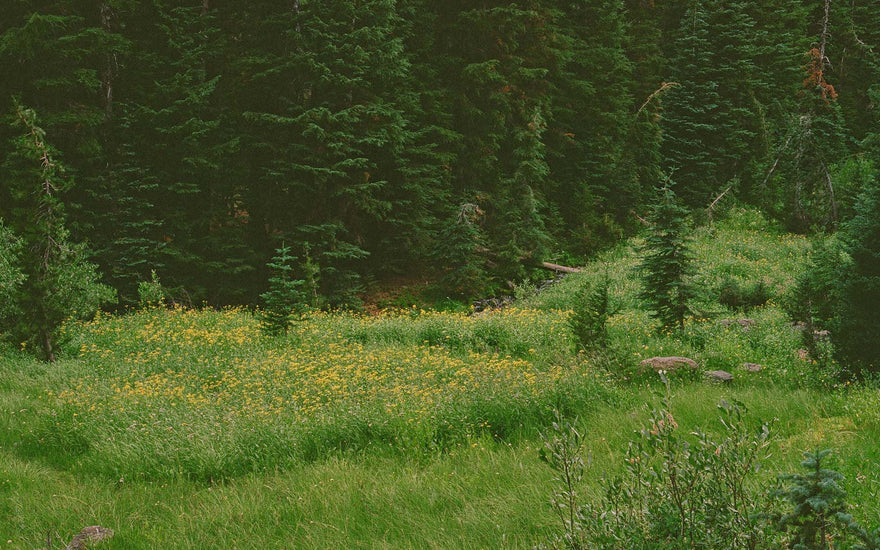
(470, 140)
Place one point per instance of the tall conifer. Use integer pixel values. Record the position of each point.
(58, 282)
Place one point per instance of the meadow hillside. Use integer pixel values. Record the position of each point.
(410, 428)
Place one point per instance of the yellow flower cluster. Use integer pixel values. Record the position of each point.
(218, 363)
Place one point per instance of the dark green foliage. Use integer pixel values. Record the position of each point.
(595, 181)
(201, 132)
(710, 118)
(737, 295)
(11, 276)
(284, 301)
(590, 312)
(55, 281)
(461, 253)
(667, 263)
(815, 301)
(858, 335)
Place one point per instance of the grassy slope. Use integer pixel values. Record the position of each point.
(190, 430)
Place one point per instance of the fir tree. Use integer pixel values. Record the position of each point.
(11, 276)
(58, 281)
(710, 118)
(323, 112)
(818, 504)
(461, 253)
(590, 314)
(284, 301)
(667, 263)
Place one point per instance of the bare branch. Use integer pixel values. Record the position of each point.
(663, 87)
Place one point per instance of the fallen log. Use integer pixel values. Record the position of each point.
(560, 268)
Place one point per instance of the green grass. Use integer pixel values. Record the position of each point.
(190, 429)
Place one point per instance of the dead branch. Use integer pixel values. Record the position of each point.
(663, 87)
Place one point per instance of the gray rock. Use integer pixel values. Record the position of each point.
(752, 367)
(719, 376)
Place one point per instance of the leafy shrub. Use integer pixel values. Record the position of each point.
(699, 492)
(151, 293)
(676, 492)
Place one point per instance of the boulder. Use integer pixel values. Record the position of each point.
(719, 376)
(752, 367)
(669, 364)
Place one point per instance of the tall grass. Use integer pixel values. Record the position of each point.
(408, 428)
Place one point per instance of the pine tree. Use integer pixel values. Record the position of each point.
(590, 314)
(818, 504)
(816, 138)
(58, 281)
(203, 249)
(497, 57)
(11, 276)
(667, 263)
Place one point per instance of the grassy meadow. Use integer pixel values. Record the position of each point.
(409, 428)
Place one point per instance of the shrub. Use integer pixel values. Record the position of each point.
(676, 492)
(151, 293)
(733, 294)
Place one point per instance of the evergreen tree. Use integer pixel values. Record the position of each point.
(816, 138)
(594, 179)
(496, 57)
(325, 126)
(667, 263)
(461, 251)
(857, 342)
(590, 314)
(710, 118)
(58, 282)
(202, 239)
(284, 301)
(11, 276)
(818, 504)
